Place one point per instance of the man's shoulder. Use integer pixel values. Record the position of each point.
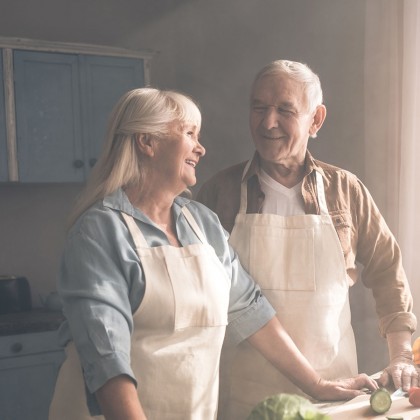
(221, 193)
(333, 172)
(224, 180)
(232, 173)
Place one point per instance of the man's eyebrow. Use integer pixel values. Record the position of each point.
(285, 105)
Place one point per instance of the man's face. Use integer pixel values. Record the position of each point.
(279, 120)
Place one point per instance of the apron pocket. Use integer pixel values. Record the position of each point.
(283, 259)
(201, 289)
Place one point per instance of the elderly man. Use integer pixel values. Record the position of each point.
(299, 226)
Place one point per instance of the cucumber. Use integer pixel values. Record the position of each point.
(380, 401)
(395, 418)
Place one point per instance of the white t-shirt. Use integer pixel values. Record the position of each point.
(279, 199)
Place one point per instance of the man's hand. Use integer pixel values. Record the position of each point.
(401, 371)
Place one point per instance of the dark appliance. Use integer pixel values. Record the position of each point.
(15, 294)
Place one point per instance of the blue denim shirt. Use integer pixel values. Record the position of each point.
(101, 282)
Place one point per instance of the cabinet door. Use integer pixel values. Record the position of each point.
(29, 365)
(3, 148)
(103, 81)
(49, 136)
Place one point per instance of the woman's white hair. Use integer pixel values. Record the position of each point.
(139, 111)
(298, 72)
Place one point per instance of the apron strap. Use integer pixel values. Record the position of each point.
(244, 190)
(194, 226)
(137, 235)
(321, 194)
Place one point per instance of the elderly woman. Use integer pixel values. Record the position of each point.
(149, 282)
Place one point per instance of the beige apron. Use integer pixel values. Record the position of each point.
(178, 328)
(299, 264)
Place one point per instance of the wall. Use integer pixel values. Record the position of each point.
(211, 50)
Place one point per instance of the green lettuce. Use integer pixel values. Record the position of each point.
(286, 407)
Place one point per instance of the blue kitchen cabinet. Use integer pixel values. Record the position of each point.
(29, 365)
(106, 79)
(62, 104)
(3, 145)
(48, 117)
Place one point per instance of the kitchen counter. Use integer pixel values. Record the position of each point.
(359, 408)
(36, 320)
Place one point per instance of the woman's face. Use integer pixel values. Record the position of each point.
(176, 156)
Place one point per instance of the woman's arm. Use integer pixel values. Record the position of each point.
(275, 344)
(118, 400)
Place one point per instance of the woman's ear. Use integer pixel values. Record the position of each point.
(318, 119)
(145, 144)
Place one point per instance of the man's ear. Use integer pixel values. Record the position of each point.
(318, 119)
(145, 144)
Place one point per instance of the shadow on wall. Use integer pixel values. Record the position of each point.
(32, 231)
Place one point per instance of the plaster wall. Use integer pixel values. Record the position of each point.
(210, 50)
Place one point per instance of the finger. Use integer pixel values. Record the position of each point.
(384, 379)
(348, 394)
(415, 380)
(365, 381)
(408, 375)
(397, 377)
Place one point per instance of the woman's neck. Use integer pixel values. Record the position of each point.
(157, 206)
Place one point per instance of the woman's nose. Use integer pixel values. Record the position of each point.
(200, 149)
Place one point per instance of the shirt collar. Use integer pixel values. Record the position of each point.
(254, 167)
(119, 201)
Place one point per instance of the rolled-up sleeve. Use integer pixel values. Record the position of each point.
(94, 285)
(249, 310)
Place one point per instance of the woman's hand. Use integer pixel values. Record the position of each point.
(343, 389)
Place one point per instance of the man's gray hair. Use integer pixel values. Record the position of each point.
(299, 72)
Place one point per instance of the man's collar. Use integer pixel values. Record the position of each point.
(254, 166)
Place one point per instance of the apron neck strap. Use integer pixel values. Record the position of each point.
(321, 194)
(244, 190)
(137, 235)
(194, 226)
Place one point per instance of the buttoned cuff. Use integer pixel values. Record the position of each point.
(252, 320)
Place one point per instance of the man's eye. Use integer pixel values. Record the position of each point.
(284, 111)
(259, 108)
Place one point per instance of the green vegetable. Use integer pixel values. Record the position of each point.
(286, 407)
(380, 401)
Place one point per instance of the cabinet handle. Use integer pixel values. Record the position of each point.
(92, 162)
(78, 163)
(16, 347)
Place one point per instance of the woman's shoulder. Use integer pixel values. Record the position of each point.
(97, 221)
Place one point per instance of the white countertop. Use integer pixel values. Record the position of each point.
(359, 408)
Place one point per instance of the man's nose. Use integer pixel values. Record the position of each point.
(270, 118)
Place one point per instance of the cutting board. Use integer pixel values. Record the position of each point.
(359, 408)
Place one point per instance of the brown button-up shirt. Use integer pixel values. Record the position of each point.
(363, 233)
